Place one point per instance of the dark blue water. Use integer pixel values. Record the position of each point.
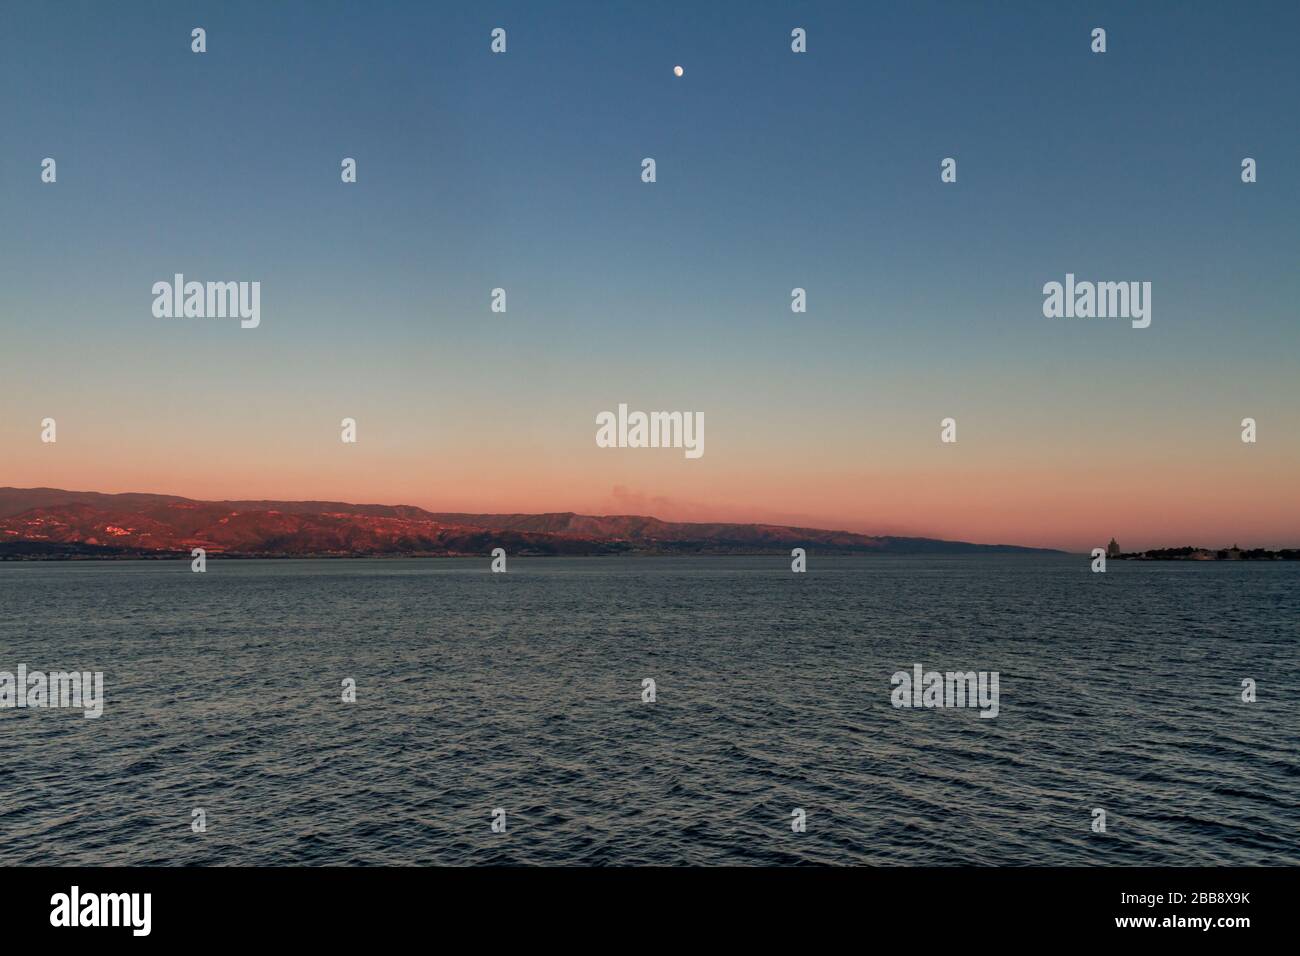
(522, 691)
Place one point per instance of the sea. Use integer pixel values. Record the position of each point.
(509, 718)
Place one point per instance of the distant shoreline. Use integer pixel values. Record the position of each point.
(53, 524)
(1208, 554)
(84, 555)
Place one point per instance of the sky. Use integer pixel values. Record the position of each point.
(775, 170)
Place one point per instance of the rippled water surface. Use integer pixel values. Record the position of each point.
(522, 691)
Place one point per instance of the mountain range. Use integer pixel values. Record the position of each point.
(51, 523)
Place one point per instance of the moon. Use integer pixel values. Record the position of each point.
(678, 71)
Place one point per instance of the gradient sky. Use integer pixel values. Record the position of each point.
(775, 170)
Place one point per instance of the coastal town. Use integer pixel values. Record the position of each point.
(1114, 552)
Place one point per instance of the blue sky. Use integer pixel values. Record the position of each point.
(775, 170)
